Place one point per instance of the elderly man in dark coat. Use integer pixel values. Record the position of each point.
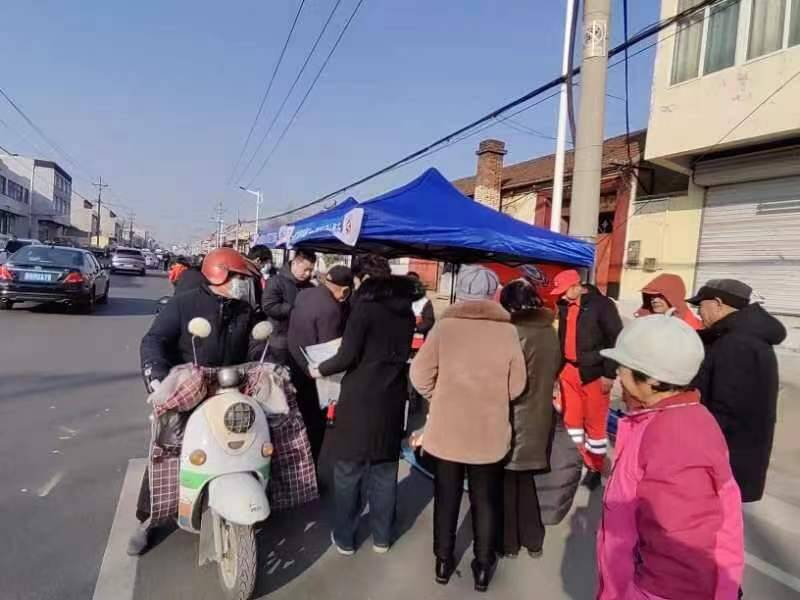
(738, 381)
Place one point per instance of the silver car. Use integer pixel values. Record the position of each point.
(130, 260)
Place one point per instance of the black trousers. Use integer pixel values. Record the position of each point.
(485, 484)
(308, 403)
(522, 518)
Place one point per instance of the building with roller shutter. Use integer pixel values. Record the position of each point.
(725, 111)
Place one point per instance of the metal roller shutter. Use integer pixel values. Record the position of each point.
(751, 232)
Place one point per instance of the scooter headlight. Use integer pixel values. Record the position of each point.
(239, 417)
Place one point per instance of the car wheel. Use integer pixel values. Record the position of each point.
(87, 307)
(104, 298)
(142, 273)
(7, 305)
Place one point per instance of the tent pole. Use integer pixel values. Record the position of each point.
(453, 276)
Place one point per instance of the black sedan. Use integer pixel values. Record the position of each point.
(69, 276)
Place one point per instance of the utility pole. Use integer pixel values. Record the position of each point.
(99, 185)
(220, 223)
(561, 136)
(238, 228)
(589, 143)
(130, 233)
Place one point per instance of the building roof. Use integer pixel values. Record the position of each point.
(539, 171)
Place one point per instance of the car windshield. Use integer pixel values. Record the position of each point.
(50, 257)
(136, 253)
(14, 245)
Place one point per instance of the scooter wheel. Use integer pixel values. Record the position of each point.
(237, 566)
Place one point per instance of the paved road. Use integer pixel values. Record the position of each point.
(72, 418)
(71, 415)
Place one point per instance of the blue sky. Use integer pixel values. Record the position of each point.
(157, 97)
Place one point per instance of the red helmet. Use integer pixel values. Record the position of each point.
(220, 263)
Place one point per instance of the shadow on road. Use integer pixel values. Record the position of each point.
(120, 280)
(127, 307)
(34, 384)
(292, 541)
(580, 550)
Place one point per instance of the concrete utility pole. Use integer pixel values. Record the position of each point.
(220, 223)
(586, 174)
(99, 185)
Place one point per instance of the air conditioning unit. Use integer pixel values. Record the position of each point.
(650, 265)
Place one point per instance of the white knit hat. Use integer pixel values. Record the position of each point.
(665, 348)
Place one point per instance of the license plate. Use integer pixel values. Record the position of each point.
(46, 277)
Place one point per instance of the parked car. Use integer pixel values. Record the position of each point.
(128, 260)
(14, 244)
(38, 273)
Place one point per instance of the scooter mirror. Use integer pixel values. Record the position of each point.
(262, 331)
(199, 327)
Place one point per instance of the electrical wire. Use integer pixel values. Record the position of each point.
(267, 91)
(291, 89)
(308, 93)
(446, 140)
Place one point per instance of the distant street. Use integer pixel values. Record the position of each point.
(73, 415)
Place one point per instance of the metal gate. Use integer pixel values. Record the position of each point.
(751, 232)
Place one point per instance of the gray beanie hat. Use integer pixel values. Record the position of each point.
(476, 283)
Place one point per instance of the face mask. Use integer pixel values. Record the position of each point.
(239, 289)
(266, 269)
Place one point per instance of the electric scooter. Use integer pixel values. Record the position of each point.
(224, 471)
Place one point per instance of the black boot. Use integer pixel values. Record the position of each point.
(444, 570)
(483, 574)
(592, 480)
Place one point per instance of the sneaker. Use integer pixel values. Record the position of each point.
(592, 480)
(340, 549)
(535, 553)
(379, 549)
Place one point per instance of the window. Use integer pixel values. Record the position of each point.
(723, 23)
(634, 251)
(2, 185)
(730, 32)
(794, 23)
(686, 60)
(766, 27)
(16, 191)
(7, 223)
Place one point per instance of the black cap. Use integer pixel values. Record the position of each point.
(732, 292)
(340, 275)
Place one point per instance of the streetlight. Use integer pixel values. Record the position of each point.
(257, 194)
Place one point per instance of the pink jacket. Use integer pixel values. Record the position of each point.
(672, 512)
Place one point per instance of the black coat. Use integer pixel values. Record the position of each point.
(190, 279)
(317, 318)
(532, 413)
(374, 354)
(168, 343)
(598, 327)
(278, 301)
(738, 382)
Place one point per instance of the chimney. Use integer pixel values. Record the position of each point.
(490, 172)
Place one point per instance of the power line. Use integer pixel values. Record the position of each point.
(291, 89)
(308, 92)
(266, 92)
(619, 49)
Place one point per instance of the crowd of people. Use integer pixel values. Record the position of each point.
(499, 371)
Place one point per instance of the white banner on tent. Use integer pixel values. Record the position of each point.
(351, 227)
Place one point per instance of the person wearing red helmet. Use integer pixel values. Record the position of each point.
(588, 322)
(226, 300)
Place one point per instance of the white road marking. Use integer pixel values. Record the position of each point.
(68, 430)
(776, 512)
(117, 576)
(51, 483)
(772, 571)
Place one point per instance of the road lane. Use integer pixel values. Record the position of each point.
(72, 414)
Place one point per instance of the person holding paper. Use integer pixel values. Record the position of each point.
(365, 444)
(319, 316)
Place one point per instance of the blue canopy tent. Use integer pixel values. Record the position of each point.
(429, 218)
(270, 235)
